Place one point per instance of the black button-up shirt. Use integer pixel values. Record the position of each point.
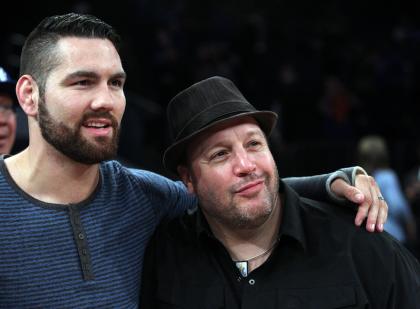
(321, 261)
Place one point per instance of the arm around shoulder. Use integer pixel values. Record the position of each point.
(318, 187)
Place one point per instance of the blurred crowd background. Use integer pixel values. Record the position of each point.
(333, 70)
(343, 76)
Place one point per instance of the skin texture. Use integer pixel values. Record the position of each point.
(234, 175)
(63, 118)
(82, 104)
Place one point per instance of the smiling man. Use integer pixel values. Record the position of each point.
(254, 242)
(74, 224)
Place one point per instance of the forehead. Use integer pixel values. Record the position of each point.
(88, 54)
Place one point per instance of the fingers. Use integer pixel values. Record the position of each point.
(374, 210)
(374, 207)
(382, 216)
(381, 209)
(362, 213)
(363, 185)
(343, 189)
(365, 194)
(353, 194)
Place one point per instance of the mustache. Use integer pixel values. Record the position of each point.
(248, 178)
(100, 114)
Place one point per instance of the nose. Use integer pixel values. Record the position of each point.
(244, 164)
(104, 99)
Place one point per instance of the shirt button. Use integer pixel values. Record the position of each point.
(81, 236)
(251, 281)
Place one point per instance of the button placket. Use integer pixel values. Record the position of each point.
(81, 243)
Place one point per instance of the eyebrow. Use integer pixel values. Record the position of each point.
(90, 74)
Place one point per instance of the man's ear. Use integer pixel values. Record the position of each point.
(28, 94)
(185, 175)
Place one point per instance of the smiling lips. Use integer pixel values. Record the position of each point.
(99, 126)
(250, 187)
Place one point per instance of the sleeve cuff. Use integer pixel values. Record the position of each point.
(357, 170)
(348, 174)
(338, 174)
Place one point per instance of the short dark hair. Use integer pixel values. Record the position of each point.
(39, 57)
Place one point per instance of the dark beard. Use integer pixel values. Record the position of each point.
(72, 144)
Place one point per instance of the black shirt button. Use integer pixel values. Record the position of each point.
(251, 281)
(81, 236)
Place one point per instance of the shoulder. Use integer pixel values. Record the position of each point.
(115, 170)
(180, 232)
(336, 223)
(376, 252)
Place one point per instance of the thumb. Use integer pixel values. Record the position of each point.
(354, 195)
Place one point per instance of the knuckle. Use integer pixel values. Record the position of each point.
(369, 199)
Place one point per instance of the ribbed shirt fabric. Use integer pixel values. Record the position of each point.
(85, 255)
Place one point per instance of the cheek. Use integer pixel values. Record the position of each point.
(264, 161)
(121, 109)
(216, 180)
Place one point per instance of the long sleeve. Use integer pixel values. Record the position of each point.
(318, 187)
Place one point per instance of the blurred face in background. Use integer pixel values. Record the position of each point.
(7, 123)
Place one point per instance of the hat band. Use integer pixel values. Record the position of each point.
(215, 113)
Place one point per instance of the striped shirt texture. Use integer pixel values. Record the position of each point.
(85, 255)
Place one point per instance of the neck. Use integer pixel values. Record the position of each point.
(246, 244)
(51, 177)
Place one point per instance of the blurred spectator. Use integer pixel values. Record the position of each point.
(8, 104)
(412, 191)
(373, 156)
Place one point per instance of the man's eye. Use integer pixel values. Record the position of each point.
(83, 82)
(218, 155)
(117, 83)
(254, 143)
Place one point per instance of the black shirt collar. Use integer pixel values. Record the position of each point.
(291, 224)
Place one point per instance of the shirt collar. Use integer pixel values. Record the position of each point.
(291, 224)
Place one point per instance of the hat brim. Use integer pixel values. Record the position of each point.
(174, 153)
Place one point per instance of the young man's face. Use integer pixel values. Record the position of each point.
(234, 175)
(7, 124)
(81, 111)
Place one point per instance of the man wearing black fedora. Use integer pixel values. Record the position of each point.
(254, 242)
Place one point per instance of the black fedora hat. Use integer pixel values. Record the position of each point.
(203, 105)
